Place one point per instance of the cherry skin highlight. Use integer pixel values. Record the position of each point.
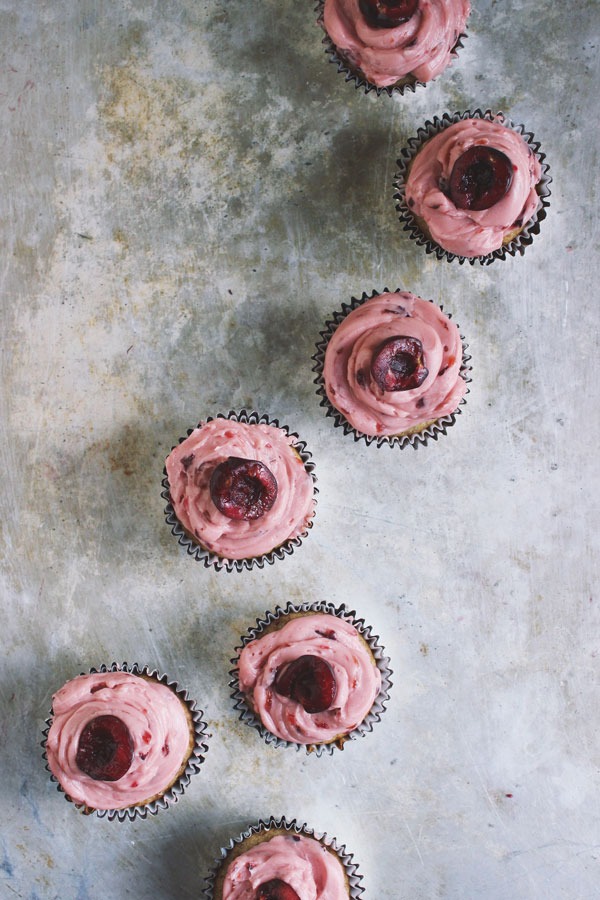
(388, 13)
(480, 178)
(275, 890)
(398, 364)
(310, 681)
(243, 488)
(105, 749)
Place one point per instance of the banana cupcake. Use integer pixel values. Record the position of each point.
(473, 187)
(123, 741)
(310, 677)
(392, 45)
(241, 491)
(392, 369)
(281, 860)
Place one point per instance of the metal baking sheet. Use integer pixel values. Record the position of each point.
(189, 190)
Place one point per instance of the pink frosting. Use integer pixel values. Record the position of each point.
(463, 231)
(336, 641)
(420, 47)
(156, 721)
(304, 863)
(189, 469)
(350, 386)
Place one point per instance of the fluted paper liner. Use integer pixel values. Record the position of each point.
(207, 557)
(405, 84)
(430, 432)
(249, 717)
(408, 219)
(194, 762)
(235, 848)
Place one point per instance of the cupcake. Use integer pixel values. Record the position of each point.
(281, 860)
(392, 368)
(123, 741)
(240, 491)
(392, 45)
(310, 676)
(472, 186)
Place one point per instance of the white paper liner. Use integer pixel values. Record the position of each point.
(262, 827)
(407, 218)
(193, 764)
(249, 717)
(431, 432)
(359, 80)
(207, 557)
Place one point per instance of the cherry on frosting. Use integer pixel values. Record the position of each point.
(388, 13)
(480, 177)
(275, 890)
(243, 488)
(105, 749)
(310, 681)
(398, 364)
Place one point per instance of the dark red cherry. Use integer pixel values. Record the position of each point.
(275, 890)
(388, 13)
(398, 364)
(243, 488)
(480, 178)
(105, 749)
(310, 681)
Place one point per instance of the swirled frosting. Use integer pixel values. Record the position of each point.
(420, 47)
(334, 640)
(313, 871)
(157, 721)
(189, 469)
(353, 391)
(468, 232)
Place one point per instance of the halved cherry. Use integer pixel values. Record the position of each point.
(310, 681)
(105, 749)
(398, 364)
(480, 177)
(388, 13)
(243, 488)
(276, 889)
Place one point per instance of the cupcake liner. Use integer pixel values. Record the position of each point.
(173, 794)
(232, 849)
(207, 557)
(249, 717)
(432, 431)
(359, 80)
(408, 220)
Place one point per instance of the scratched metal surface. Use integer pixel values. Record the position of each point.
(188, 191)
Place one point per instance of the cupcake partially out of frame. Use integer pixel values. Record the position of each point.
(310, 676)
(392, 369)
(241, 491)
(123, 741)
(472, 186)
(283, 860)
(391, 46)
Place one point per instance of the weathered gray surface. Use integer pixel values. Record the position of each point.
(188, 191)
